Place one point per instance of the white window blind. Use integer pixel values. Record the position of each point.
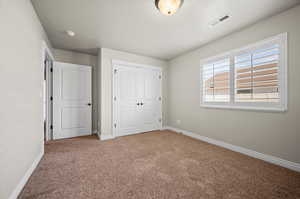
(253, 77)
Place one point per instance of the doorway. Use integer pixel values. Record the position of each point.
(67, 98)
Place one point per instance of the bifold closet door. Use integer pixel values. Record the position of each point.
(125, 101)
(72, 100)
(150, 99)
(137, 100)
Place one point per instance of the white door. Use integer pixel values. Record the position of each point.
(137, 100)
(72, 100)
(150, 99)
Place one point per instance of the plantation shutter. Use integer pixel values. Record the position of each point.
(253, 77)
(215, 81)
(256, 75)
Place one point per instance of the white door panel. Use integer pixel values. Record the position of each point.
(75, 82)
(74, 117)
(152, 85)
(127, 95)
(72, 96)
(151, 108)
(137, 103)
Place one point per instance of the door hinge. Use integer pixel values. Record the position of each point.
(115, 125)
(115, 71)
(51, 98)
(51, 127)
(159, 98)
(159, 119)
(159, 77)
(51, 69)
(115, 98)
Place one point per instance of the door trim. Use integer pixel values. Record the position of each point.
(115, 63)
(46, 53)
(131, 64)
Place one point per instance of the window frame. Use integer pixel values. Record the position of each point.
(281, 106)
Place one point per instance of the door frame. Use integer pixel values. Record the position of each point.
(115, 63)
(46, 54)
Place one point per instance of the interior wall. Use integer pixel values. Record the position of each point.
(83, 59)
(21, 78)
(107, 55)
(276, 134)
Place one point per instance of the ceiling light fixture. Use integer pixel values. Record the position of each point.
(70, 33)
(168, 7)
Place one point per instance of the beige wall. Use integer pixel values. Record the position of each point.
(21, 76)
(83, 59)
(107, 55)
(276, 134)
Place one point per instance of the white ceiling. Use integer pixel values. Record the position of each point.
(136, 26)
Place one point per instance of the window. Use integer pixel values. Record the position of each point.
(253, 77)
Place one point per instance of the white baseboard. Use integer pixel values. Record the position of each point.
(268, 158)
(106, 137)
(27, 175)
(166, 128)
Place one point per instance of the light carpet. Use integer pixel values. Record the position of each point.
(155, 165)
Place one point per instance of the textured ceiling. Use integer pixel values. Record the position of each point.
(136, 26)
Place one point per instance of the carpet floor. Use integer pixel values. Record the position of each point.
(155, 165)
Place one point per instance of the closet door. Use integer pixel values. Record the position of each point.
(126, 108)
(137, 100)
(150, 99)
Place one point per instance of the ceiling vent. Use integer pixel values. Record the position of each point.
(218, 21)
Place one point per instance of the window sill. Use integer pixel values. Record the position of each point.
(250, 108)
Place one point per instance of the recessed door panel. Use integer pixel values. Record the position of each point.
(74, 83)
(152, 84)
(74, 117)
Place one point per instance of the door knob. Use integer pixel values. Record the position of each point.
(89, 104)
